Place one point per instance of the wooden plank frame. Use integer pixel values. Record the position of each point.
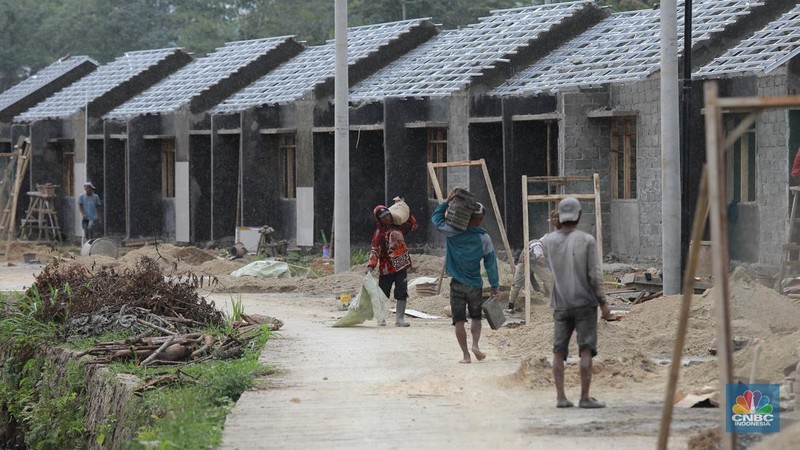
(714, 201)
(561, 182)
(438, 190)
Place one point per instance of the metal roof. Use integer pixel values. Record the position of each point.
(197, 77)
(452, 59)
(40, 79)
(76, 96)
(299, 76)
(623, 47)
(766, 50)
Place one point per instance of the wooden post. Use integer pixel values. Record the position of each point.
(496, 209)
(438, 190)
(22, 165)
(526, 239)
(700, 216)
(719, 245)
(435, 180)
(598, 217)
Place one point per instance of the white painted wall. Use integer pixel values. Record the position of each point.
(305, 216)
(181, 201)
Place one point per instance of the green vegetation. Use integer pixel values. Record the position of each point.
(50, 413)
(359, 257)
(46, 406)
(191, 413)
(19, 329)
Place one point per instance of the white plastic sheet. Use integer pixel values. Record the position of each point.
(267, 268)
(370, 303)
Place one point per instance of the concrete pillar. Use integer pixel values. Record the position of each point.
(458, 141)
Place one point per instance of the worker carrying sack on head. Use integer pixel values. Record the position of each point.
(400, 211)
(390, 254)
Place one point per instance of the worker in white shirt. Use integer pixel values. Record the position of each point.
(541, 278)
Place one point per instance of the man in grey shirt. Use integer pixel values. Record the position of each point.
(576, 294)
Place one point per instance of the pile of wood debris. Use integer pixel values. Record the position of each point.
(165, 317)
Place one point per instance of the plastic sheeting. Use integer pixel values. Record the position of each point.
(267, 268)
(370, 303)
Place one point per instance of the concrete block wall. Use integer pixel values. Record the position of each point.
(584, 150)
(644, 97)
(772, 169)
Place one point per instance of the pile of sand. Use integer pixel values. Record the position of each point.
(611, 372)
(756, 312)
(172, 259)
(42, 253)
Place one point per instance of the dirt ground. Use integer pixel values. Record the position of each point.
(629, 372)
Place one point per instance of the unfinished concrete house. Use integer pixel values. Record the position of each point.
(163, 136)
(33, 90)
(604, 88)
(430, 106)
(283, 124)
(758, 166)
(66, 131)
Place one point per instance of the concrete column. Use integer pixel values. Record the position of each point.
(458, 140)
(670, 151)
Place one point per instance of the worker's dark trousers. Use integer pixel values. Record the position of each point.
(400, 280)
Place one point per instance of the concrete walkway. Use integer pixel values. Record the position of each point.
(380, 388)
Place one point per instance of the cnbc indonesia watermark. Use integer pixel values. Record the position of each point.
(753, 408)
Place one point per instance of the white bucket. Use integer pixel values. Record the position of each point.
(100, 246)
(400, 211)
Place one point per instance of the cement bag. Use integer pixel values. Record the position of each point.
(370, 303)
(267, 268)
(400, 211)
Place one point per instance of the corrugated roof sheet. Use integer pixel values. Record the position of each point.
(624, 47)
(763, 52)
(452, 59)
(40, 79)
(312, 67)
(74, 97)
(196, 77)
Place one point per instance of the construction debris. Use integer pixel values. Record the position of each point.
(72, 291)
(173, 348)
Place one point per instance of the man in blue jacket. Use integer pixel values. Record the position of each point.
(465, 250)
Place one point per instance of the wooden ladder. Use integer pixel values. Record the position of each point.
(790, 262)
(41, 220)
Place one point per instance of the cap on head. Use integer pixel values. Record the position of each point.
(380, 211)
(480, 211)
(569, 210)
(88, 184)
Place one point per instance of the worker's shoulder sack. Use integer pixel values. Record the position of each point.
(493, 312)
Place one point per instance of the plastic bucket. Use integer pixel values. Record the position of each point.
(326, 251)
(100, 246)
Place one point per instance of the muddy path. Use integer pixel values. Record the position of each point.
(374, 387)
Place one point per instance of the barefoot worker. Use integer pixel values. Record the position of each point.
(465, 250)
(576, 294)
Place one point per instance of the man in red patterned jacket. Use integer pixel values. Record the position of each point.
(390, 255)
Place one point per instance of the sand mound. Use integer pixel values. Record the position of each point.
(170, 258)
(612, 372)
(97, 262)
(43, 253)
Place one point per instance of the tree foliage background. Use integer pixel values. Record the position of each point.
(35, 33)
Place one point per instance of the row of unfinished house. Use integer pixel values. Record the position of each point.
(186, 149)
